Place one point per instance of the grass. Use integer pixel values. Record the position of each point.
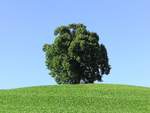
(92, 98)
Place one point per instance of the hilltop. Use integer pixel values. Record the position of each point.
(84, 98)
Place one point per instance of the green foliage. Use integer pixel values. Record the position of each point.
(95, 98)
(76, 55)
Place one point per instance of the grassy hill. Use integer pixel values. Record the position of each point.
(96, 98)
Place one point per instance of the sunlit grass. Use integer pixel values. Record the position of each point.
(92, 98)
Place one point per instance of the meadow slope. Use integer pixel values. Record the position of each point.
(91, 98)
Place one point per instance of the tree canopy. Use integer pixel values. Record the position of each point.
(76, 55)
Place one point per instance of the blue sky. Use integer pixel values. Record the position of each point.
(25, 25)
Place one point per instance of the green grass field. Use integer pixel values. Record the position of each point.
(93, 98)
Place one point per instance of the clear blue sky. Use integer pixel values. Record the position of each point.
(25, 25)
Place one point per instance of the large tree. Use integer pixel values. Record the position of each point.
(76, 56)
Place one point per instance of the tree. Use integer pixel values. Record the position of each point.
(76, 56)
